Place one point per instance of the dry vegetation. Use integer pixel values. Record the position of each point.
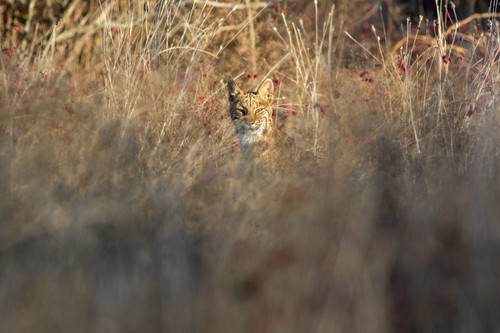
(125, 205)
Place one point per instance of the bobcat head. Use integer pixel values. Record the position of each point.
(252, 113)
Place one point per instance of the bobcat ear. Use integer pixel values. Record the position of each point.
(233, 90)
(266, 90)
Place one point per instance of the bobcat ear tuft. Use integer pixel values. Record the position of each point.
(266, 90)
(233, 90)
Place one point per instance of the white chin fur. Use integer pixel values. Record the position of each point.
(249, 137)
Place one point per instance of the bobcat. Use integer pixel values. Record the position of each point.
(252, 114)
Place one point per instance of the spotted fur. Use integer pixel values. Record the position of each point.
(252, 114)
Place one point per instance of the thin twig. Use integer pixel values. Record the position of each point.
(232, 6)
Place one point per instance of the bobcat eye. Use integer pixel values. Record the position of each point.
(237, 114)
(243, 111)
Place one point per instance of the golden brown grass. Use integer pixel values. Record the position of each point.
(125, 205)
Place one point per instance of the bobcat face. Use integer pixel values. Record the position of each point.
(251, 112)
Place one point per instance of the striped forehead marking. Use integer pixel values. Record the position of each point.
(249, 99)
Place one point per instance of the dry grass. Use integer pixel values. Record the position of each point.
(126, 206)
